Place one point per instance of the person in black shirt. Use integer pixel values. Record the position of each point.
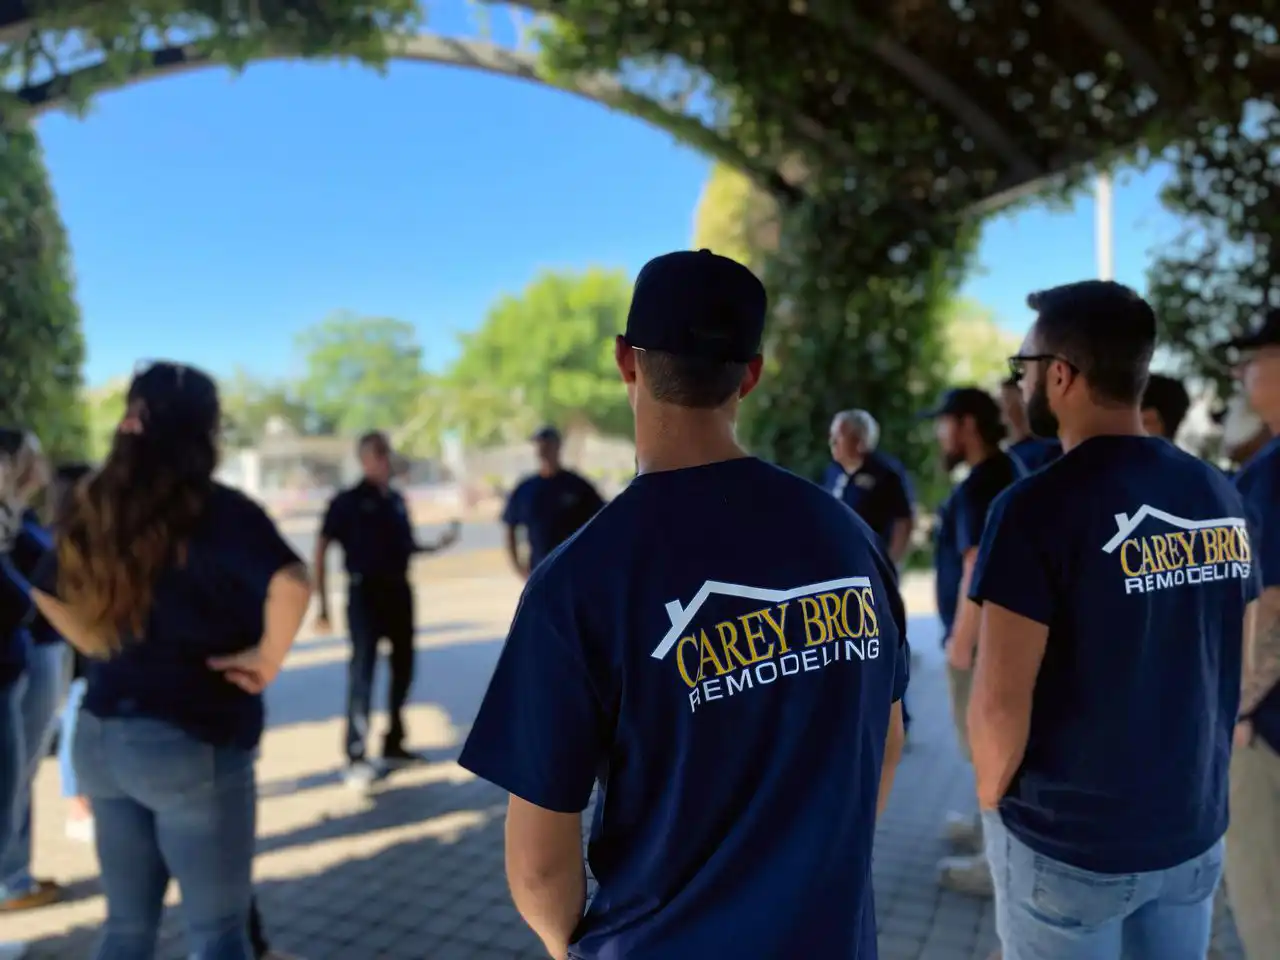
(187, 600)
(550, 506)
(1031, 451)
(874, 485)
(371, 523)
(1165, 403)
(969, 430)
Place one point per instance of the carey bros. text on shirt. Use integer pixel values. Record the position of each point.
(782, 640)
(1185, 557)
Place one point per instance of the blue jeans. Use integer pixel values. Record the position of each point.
(168, 805)
(48, 667)
(13, 759)
(67, 737)
(1048, 910)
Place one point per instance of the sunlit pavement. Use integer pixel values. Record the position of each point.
(415, 869)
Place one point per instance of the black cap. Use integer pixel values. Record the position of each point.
(697, 304)
(546, 433)
(966, 402)
(1265, 334)
(178, 398)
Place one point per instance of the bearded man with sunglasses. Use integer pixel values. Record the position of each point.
(1115, 586)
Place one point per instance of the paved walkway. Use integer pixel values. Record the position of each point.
(415, 869)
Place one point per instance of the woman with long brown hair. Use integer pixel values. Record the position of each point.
(187, 600)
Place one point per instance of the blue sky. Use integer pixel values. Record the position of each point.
(213, 216)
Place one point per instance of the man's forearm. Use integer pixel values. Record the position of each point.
(552, 905)
(998, 740)
(900, 540)
(964, 631)
(893, 745)
(318, 575)
(1262, 653)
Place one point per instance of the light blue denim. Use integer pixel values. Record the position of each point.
(1049, 910)
(168, 805)
(13, 758)
(67, 737)
(48, 669)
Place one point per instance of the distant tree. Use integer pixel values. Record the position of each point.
(41, 345)
(104, 405)
(1223, 268)
(735, 217)
(360, 373)
(249, 403)
(977, 347)
(545, 354)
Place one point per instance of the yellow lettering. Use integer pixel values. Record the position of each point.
(1188, 545)
(778, 626)
(708, 655)
(1161, 549)
(729, 642)
(871, 622)
(754, 633)
(812, 613)
(849, 631)
(688, 678)
(1149, 564)
(831, 614)
(1242, 544)
(1125, 563)
(1209, 541)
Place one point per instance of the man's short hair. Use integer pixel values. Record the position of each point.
(694, 382)
(1104, 330)
(1169, 398)
(373, 438)
(863, 425)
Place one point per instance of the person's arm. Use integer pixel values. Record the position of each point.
(1012, 583)
(330, 530)
(513, 517)
(545, 872)
(903, 518)
(42, 592)
(540, 734)
(443, 542)
(288, 597)
(1262, 651)
(1011, 649)
(894, 743)
(964, 630)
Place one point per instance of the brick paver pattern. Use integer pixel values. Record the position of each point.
(415, 869)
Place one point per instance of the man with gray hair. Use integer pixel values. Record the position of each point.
(874, 485)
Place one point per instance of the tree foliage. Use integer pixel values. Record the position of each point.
(360, 373)
(543, 355)
(735, 217)
(1215, 278)
(977, 347)
(41, 345)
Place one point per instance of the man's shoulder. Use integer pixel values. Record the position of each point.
(1263, 470)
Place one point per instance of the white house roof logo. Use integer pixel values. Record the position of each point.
(1128, 524)
(682, 615)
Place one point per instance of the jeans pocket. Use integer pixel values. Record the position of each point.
(1195, 881)
(158, 763)
(1068, 897)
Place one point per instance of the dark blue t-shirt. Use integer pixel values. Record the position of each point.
(551, 510)
(718, 650)
(33, 547)
(878, 491)
(1136, 556)
(210, 606)
(1035, 452)
(372, 526)
(959, 530)
(1259, 484)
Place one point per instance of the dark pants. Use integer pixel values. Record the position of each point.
(378, 609)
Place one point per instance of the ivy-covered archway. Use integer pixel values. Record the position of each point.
(884, 129)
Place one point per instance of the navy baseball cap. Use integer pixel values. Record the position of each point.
(966, 402)
(695, 303)
(1265, 334)
(546, 432)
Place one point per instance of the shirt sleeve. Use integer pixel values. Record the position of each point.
(902, 658)
(1012, 570)
(541, 730)
(971, 509)
(513, 514)
(899, 497)
(334, 519)
(258, 552)
(1262, 510)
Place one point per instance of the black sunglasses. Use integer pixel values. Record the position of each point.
(1018, 363)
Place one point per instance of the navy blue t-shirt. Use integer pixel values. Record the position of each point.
(878, 491)
(551, 510)
(1259, 484)
(959, 530)
(1136, 556)
(1035, 452)
(210, 606)
(33, 547)
(372, 526)
(718, 650)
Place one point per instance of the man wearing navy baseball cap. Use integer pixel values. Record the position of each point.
(721, 651)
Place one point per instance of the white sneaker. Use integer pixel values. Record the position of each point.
(80, 829)
(12, 950)
(359, 775)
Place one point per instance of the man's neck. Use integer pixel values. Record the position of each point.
(548, 469)
(675, 439)
(1017, 435)
(851, 464)
(382, 486)
(979, 455)
(1102, 422)
(1272, 419)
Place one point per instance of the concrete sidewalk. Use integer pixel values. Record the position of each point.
(415, 869)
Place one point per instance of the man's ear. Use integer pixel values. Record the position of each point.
(752, 376)
(624, 355)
